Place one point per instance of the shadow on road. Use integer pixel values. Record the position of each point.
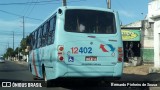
(14, 70)
(94, 86)
(105, 85)
(102, 85)
(136, 77)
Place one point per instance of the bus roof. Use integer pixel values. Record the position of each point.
(86, 7)
(79, 7)
(74, 7)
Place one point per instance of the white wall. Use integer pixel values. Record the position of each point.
(154, 8)
(157, 43)
(154, 16)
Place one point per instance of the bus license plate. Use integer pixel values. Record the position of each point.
(91, 58)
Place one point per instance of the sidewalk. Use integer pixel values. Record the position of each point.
(21, 62)
(141, 73)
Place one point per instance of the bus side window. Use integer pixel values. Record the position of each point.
(36, 39)
(51, 31)
(44, 34)
(39, 37)
(33, 40)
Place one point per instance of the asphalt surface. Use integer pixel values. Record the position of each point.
(15, 71)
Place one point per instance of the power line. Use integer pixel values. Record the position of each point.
(39, 3)
(19, 15)
(27, 8)
(23, 28)
(9, 32)
(13, 40)
(26, 3)
(125, 9)
(32, 8)
(10, 13)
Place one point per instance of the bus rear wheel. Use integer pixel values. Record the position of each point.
(48, 82)
(34, 76)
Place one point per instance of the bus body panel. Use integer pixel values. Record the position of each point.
(85, 55)
(79, 46)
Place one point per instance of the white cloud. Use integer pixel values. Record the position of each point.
(6, 28)
(128, 14)
(8, 24)
(14, 24)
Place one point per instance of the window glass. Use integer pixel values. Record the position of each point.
(51, 32)
(39, 37)
(51, 24)
(33, 40)
(36, 39)
(45, 29)
(45, 36)
(90, 21)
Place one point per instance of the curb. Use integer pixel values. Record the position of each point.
(154, 70)
(21, 62)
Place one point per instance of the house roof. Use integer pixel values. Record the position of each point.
(137, 24)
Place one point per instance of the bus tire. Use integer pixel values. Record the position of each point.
(48, 82)
(30, 68)
(35, 77)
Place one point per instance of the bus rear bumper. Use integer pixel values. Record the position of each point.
(91, 71)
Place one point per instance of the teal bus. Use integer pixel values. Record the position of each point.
(77, 42)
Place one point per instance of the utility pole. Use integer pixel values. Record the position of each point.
(13, 40)
(18, 53)
(64, 3)
(23, 28)
(109, 4)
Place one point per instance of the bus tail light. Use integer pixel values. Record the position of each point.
(120, 54)
(60, 49)
(61, 58)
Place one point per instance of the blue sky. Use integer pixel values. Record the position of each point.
(129, 11)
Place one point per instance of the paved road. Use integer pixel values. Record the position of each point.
(19, 72)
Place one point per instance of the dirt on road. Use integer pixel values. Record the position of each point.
(139, 73)
(138, 70)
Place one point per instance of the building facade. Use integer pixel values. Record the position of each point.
(146, 40)
(154, 17)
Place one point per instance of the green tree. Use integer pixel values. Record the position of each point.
(23, 45)
(10, 52)
(16, 50)
(5, 55)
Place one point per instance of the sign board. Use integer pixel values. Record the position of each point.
(131, 35)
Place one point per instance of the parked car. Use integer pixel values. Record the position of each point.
(2, 60)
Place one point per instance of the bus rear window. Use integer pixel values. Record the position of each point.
(90, 21)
